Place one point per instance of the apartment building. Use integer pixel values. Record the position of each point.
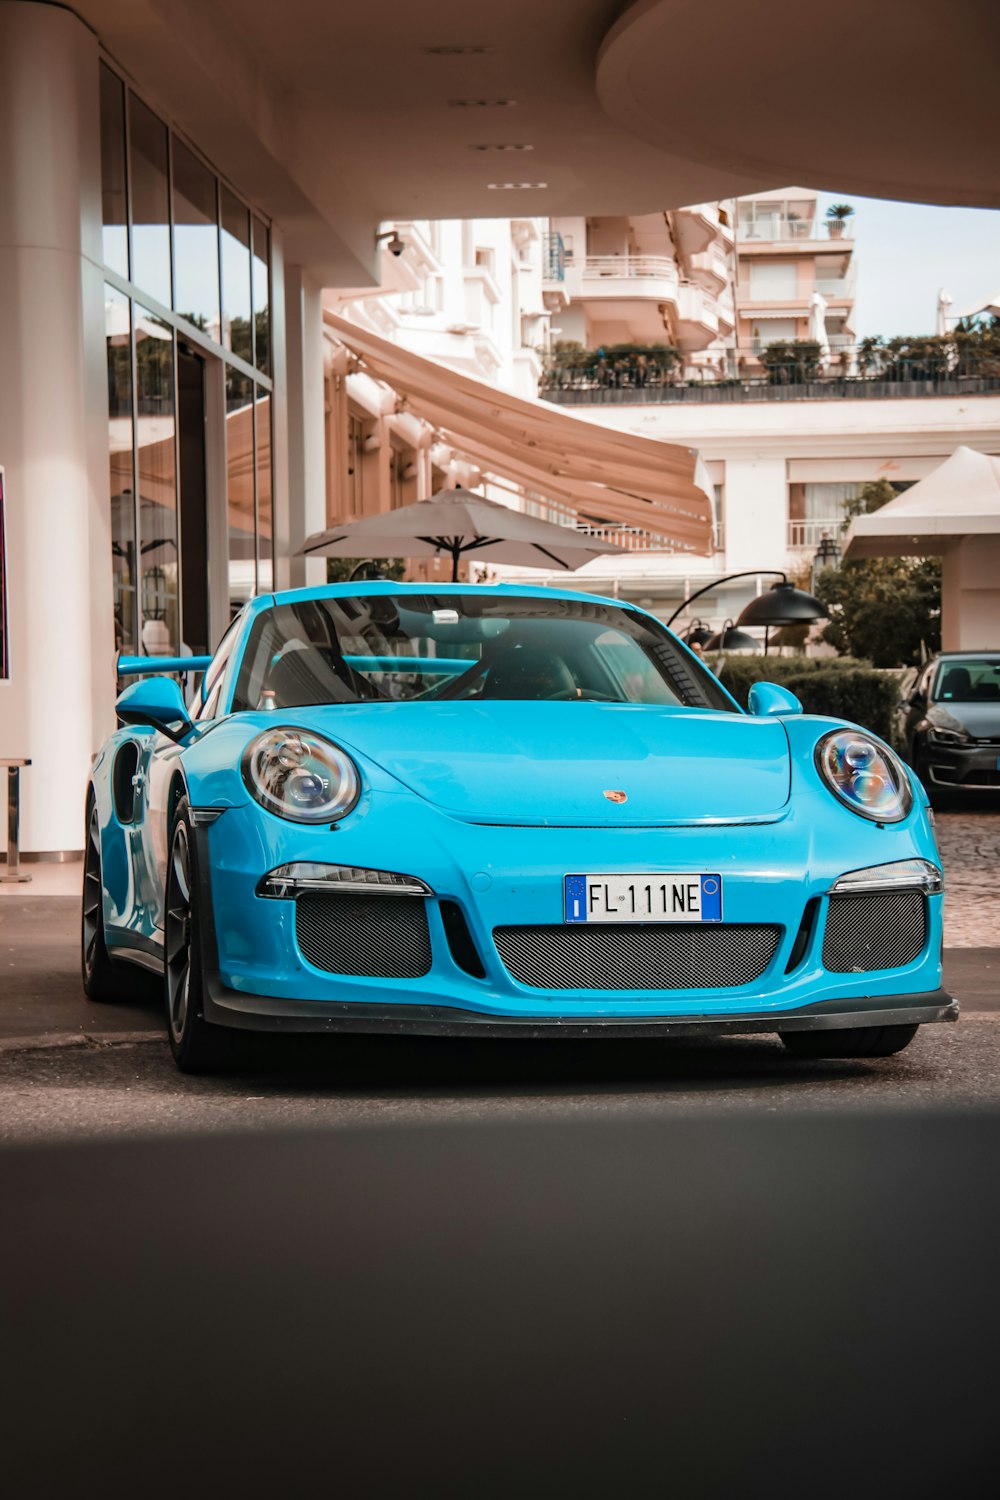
(795, 275)
(663, 278)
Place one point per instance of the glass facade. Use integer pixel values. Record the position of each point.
(185, 259)
(196, 242)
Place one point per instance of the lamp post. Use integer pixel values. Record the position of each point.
(827, 556)
(783, 604)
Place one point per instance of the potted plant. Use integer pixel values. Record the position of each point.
(837, 216)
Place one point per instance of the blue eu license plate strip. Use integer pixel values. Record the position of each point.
(673, 897)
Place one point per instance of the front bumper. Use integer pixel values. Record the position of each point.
(961, 768)
(256, 976)
(263, 1013)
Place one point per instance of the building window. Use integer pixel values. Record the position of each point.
(121, 443)
(114, 205)
(187, 241)
(150, 202)
(773, 281)
(196, 242)
(240, 488)
(156, 469)
(236, 333)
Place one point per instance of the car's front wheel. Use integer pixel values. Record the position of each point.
(852, 1041)
(196, 1045)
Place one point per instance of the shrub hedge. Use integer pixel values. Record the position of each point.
(838, 686)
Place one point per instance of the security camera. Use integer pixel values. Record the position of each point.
(393, 243)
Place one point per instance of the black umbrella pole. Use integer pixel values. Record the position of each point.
(456, 553)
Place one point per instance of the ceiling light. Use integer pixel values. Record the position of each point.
(512, 186)
(481, 103)
(502, 148)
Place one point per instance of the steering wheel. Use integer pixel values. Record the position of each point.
(582, 694)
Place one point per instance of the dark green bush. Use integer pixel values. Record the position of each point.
(837, 686)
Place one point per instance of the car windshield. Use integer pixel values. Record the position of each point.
(451, 647)
(971, 680)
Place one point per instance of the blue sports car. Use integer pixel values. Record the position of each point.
(501, 811)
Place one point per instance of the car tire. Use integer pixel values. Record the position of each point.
(196, 1045)
(103, 980)
(851, 1041)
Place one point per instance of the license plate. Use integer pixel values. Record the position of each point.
(643, 898)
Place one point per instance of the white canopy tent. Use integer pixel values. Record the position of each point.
(955, 514)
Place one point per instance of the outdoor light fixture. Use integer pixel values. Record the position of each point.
(510, 186)
(783, 604)
(731, 639)
(503, 147)
(699, 634)
(827, 556)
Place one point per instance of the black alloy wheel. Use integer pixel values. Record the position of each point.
(196, 1045)
(102, 980)
(851, 1041)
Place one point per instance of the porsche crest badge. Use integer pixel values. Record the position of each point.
(614, 796)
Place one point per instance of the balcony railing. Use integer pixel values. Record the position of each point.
(629, 267)
(767, 231)
(630, 538)
(553, 257)
(807, 535)
(599, 385)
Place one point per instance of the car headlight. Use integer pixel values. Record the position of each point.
(946, 737)
(300, 776)
(864, 775)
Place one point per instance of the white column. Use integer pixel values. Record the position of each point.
(58, 703)
(756, 499)
(306, 429)
(970, 597)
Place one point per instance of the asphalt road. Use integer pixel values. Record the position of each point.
(125, 1089)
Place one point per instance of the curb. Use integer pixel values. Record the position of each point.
(96, 1041)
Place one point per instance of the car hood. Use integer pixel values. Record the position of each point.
(980, 720)
(552, 763)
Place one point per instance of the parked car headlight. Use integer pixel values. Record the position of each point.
(300, 776)
(866, 776)
(937, 736)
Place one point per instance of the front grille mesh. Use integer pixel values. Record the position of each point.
(378, 937)
(881, 930)
(668, 957)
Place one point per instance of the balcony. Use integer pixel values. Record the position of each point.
(710, 268)
(806, 535)
(629, 275)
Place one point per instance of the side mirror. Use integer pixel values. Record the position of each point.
(767, 699)
(157, 701)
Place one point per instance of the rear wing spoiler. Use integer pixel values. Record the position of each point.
(142, 666)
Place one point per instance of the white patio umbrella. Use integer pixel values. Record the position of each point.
(817, 325)
(943, 303)
(459, 523)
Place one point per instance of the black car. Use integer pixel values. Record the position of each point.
(951, 728)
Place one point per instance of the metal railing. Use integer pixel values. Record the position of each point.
(599, 384)
(768, 231)
(808, 534)
(630, 267)
(553, 257)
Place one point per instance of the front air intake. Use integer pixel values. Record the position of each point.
(670, 957)
(374, 937)
(882, 930)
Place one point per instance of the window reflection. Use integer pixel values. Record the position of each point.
(113, 201)
(265, 506)
(157, 471)
(236, 333)
(262, 295)
(196, 243)
(239, 488)
(150, 207)
(123, 549)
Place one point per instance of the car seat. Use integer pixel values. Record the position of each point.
(956, 683)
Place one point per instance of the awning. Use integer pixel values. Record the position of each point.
(602, 474)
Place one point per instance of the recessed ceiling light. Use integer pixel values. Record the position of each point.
(504, 186)
(481, 103)
(501, 148)
(470, 51)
